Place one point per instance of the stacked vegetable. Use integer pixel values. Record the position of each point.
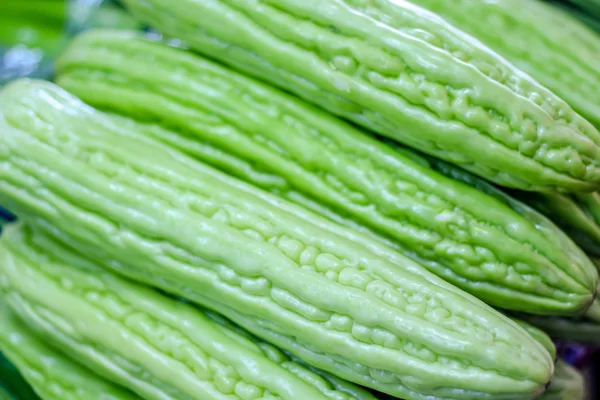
(233, 214)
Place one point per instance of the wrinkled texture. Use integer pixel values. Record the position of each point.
(51, 374)
(564, 60)
(566, 384)
(156, 346)
(299, 153)
(402, 72)
(320, 291)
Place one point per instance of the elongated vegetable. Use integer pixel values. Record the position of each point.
(525, 32)
(567, 384)
(402, 72)
(325, 293)
(52, 375)
(283, 145)
(158, 347)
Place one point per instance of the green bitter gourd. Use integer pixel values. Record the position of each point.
(577, 214)
(156, 346)
(52, 374)
(546, 42)
(403, 72)
(327, 294)
(297, 152)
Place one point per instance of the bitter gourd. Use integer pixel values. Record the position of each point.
(330, 296)
(577, 214)
(403, 72)
(293, 150)
(539, 335)
(590, 6)
(567, 384)
(157, 346)
(51, 374)
(546, 42)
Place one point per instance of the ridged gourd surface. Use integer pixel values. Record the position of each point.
(293, 150)
(583, 329)
(540, 336)
(564, 60)
(403, 72)
(281, 272)
(51, 373)
(157, 346)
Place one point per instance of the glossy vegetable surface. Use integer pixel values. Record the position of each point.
(402, 72)
(158, 347)
(325, 293)
(299, 153)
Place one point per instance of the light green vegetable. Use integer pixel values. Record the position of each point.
(326, 294)
(402, 72)
(156, 346)
(546, 42)
(539, 335)
(567, 384)
(299, 153)
(52, 375)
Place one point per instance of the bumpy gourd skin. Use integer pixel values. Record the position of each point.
(51, 374)
(325, 293)
(402, 72)
(566, 384)
(297, 152)
(156, 346)
(565, 60)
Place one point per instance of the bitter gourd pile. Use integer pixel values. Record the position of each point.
(279, 271)
(402, 72)
(193, 228)
(283, 145)
(130, 334)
